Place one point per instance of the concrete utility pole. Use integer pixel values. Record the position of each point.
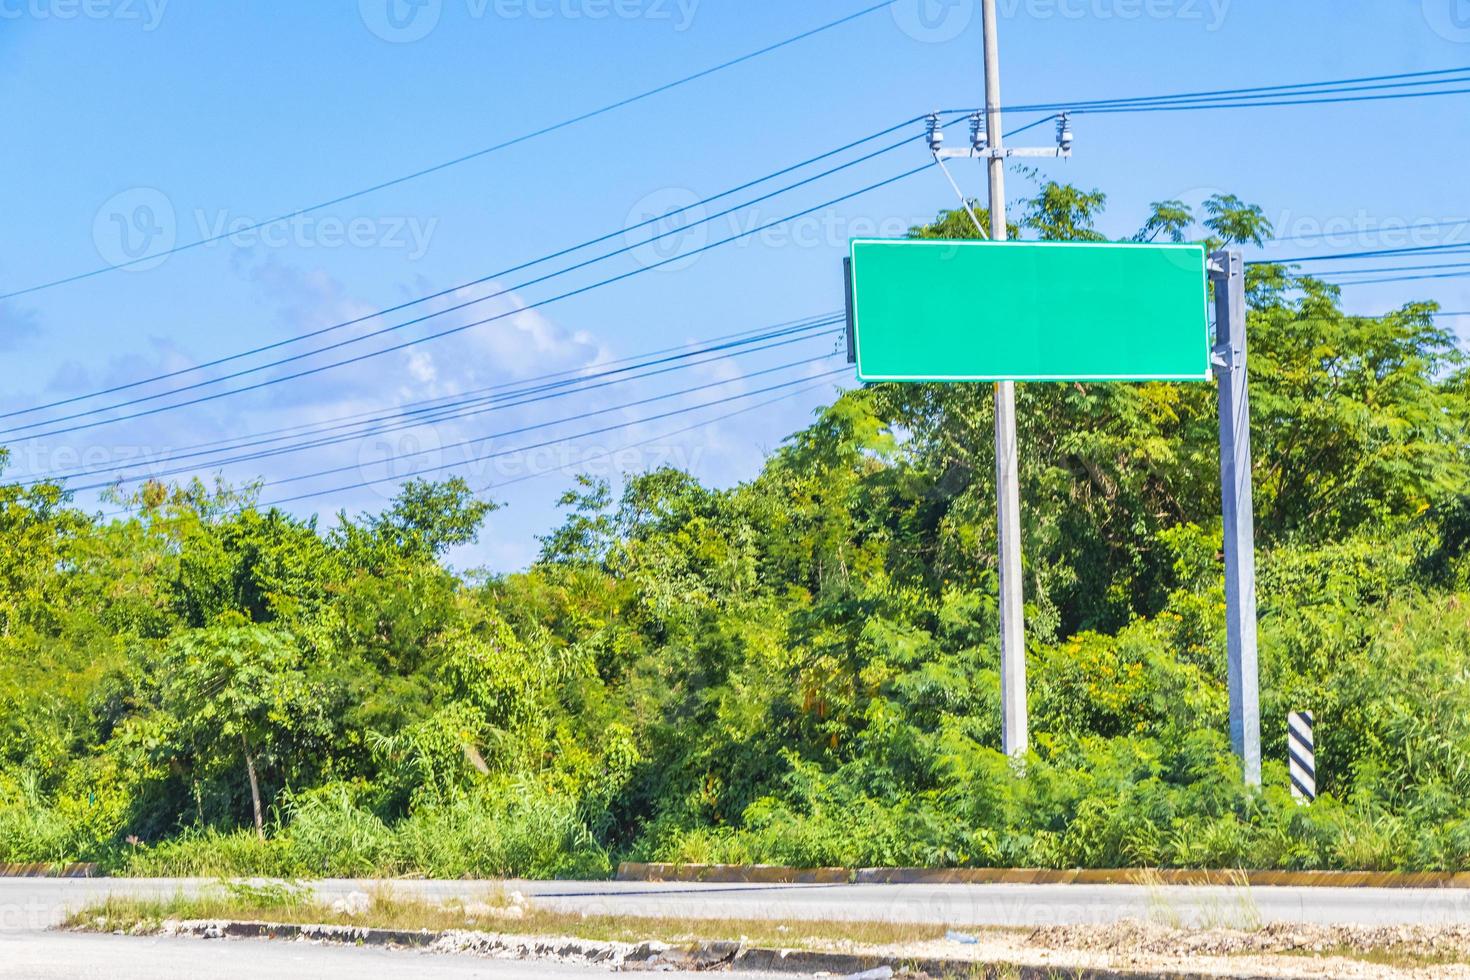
(1227, 272)
(987, 143)
(1013, 736)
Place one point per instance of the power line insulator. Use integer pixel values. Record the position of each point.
(979, 138)
(936, 133)
(1064, 132)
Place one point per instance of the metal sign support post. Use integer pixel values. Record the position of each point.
(1227, 272)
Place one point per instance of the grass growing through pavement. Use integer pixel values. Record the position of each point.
(493, 910)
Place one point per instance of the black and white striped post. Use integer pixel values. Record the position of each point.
(1301, 751)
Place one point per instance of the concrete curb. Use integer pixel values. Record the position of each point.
(657, 957)
(40, 870)
(772, 874)
(764, 874)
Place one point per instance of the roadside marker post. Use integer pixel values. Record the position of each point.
(1301, 755)
(994, 311)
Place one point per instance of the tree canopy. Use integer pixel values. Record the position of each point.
(801, 668)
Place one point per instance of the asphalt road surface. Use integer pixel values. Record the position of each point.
(29, 908)
(54, 955)
(31, 903)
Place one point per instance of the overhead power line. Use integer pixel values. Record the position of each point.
(1265, 104)
(1265, 95)
(1389, 268)
(308, 372)
(1365, 254)
(1415, 278)
(551, 442)
(1141, 103)
(491, 277)
(395, 327)
(481, 440)
(660, 437)
(451, 412)
(1264, 91)
(823, 381)
(574, 374)
(485, 151)
(1176, 101)
(1389, 316)
(1379, 229)
(1246, 97)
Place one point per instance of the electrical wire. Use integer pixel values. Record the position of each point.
(666, 435)
(1340, 100)
(448, 411)
(1389, 316)
(481, 280)
(1159, 103)
(1243, 96)
(551, 424)
(522, 449)
(1266, 96)
(460, 329)
(1324, 273)
(1379, 229)
(1134, 103)
(602, 368)
(1389, 279)
(1367, 254)
(1141, 103)
(503, 145)
(453, 412)
(658, 438)
(392, 328)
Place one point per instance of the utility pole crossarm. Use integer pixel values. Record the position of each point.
(1005, 153)
(980, 147)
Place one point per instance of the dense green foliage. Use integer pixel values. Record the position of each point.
(800, 669)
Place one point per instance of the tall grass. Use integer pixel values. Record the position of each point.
(516, 830)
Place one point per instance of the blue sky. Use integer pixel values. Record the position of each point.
(205, 117)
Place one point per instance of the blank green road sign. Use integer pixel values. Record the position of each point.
(1028, 311)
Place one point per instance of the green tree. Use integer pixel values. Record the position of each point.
(234, 693)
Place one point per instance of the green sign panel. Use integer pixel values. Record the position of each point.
(1028, 311)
